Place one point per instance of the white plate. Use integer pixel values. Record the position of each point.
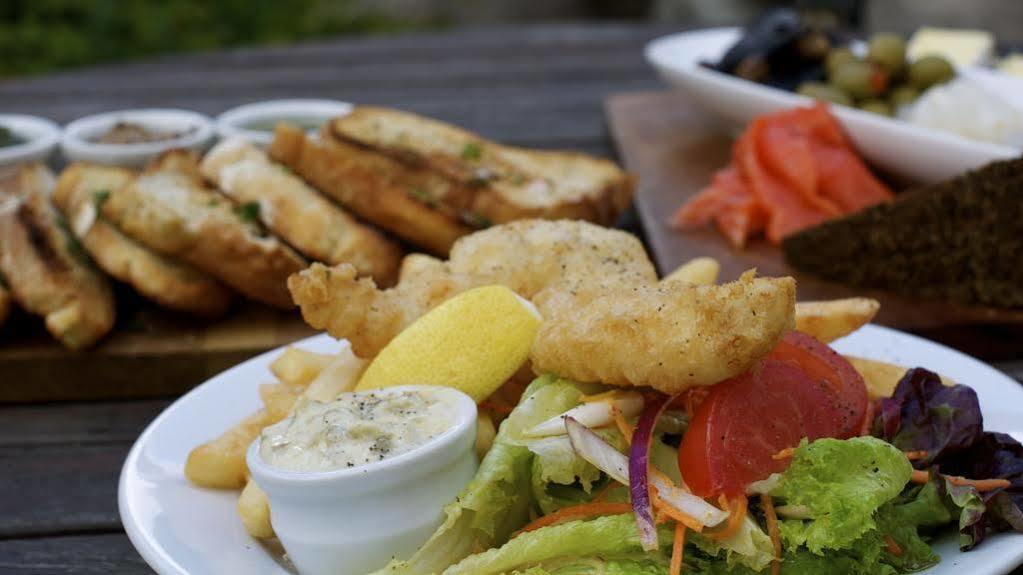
(910, 152)
(181, 529)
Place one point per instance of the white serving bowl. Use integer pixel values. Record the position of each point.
(78, 146)
(909, 152)
(353, 521)
(236, 121)
(40, 138)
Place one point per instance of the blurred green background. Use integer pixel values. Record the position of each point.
(42, 35)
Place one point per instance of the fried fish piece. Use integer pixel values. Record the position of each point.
(289, 207)
(47, 271)
(670, 336)
(80, 192)
(528, 256)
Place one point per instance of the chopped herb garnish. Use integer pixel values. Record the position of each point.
(248, 212)
(475, 220)
(99, 197)
(421, 195)
(472, 151)
(71, 245)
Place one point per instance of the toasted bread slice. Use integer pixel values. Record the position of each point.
(489, 181)
(47, 271)
(80, 190)
(376, 188)
(297, 213)
(169, 209)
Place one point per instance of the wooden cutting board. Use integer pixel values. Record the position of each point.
(674, 147)
(150, 353)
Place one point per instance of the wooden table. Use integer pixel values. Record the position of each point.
(541, 86)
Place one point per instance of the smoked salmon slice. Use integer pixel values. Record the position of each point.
(790, 171)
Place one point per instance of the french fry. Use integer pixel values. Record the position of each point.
(299, 367)
(880, 377)
(220, 463)
(698, 271)
(279, 399)
(832, 319)
(485, 434)
(254, 510)
(342, 374)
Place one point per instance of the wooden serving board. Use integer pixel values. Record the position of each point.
(150, 353)
(674, 147)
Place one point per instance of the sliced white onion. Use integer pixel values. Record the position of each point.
(615, 464)
(766, 485)
(594, 414)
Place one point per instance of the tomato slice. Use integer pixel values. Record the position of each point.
(826, 366)
(803, 389)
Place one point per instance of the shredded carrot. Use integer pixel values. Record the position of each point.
(603, 396)
(868, 418)
(692, 398)
(916, 455)
(892, 546)
(623, 426)
(677, 549)
(670, 511)
(767, 502)
(737, 513)
(979, 484)
(784, 453)
(577, 512)
(920, 476)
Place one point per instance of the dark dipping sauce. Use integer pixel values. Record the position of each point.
(9, 138)
(135, 133)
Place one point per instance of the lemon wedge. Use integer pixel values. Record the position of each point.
(473, 342)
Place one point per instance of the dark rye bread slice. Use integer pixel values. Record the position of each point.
(960, 240)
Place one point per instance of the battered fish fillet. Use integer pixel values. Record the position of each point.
(528, 256)
(669, 336)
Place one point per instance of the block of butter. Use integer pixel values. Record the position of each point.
(960, 47)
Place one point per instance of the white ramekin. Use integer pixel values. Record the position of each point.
(77, 144)
(40, 135)
(232, 122)
(353, 521)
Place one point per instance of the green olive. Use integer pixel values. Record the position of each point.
(930, 71)
(876, 106)
(860, 79)
(825, 92)
(887, 51)
(903, 95)
(836, 59)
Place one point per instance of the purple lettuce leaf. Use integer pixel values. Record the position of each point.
(924, 414)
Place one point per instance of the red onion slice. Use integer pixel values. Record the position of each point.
(639, 470)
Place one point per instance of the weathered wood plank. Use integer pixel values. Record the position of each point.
(28, 427)
(99, 554)
(51, 490)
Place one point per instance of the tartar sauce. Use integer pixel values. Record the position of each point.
(356, 429)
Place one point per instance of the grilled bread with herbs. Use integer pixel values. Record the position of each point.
(46, 270)
(286, 205)
(485, 181)
(171, 210)
(81, 191)
(377, 188)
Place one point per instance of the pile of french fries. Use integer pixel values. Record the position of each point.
(301, 374)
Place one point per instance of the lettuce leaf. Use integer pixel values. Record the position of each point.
(842, 483)
(749, 548)
(551, 548)
(924, 414)
(499, 499)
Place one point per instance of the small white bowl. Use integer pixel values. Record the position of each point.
(40, 138)
(78, 145)
(238, 121)
(353, 521)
